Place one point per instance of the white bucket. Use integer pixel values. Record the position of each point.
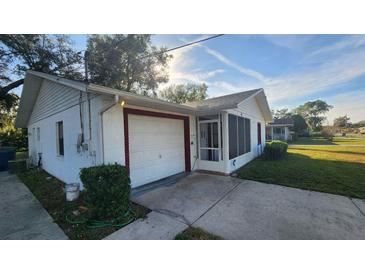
(72, 192)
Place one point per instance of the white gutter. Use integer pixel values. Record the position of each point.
(105, 109)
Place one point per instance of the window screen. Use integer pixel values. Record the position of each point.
(239, 130)
(241, 135)
(259, 133)
(232, 132)
(247, 135)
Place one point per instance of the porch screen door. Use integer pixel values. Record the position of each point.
(209, 140)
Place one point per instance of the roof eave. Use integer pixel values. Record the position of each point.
(140, 100)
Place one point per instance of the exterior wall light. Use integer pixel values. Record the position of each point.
(122, 103)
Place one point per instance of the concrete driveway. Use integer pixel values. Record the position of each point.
(22, 217)
(241, 209)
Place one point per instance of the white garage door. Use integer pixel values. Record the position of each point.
(156, 148)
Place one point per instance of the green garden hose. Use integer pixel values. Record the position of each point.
(129, 214)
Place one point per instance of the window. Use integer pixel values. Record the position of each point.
(241, 136)
(259, 133)
(38, 134)
(278, 130)
(247, 135)
(60, 143)
(239, 131)
(232, 136)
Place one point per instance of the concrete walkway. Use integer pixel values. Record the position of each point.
(242, 209)
(22, 217)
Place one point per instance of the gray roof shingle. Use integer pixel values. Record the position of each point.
(226, 100)
(282, 121)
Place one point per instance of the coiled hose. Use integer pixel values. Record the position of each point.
(129, 215)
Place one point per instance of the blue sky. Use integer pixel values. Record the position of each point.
(292, 69)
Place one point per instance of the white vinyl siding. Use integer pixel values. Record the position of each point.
(54, 98)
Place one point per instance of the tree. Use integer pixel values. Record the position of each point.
(127, 62)
(52, 54)
(9, 135)
(299, 123)
(184, 93)
(342, 121)
(313, 112)
(282, 113)
(359, 124)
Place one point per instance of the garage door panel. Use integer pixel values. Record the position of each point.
(148, 141)
(156, 148)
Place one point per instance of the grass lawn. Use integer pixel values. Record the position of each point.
(333, 169)
(324, 141)
(193, 233)
(49, 191)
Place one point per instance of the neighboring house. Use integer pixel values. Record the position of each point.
(279, 129)
(73, 124)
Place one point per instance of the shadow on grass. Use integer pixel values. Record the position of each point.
(312, 141)
(301, 171)
(329, 151)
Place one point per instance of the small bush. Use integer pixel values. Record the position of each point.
(275, 150)
(107, 190)
(15, 138)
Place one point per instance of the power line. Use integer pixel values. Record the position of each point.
(183, 46)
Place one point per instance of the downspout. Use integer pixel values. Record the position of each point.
(86, 62)
(116, 100)
(89, 109)
(81, 118)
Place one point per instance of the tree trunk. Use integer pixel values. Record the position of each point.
(6, 89)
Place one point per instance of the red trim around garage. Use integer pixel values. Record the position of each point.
(127, 111)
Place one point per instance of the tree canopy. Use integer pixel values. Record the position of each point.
(127, 62)
(282, 113)
(52, 54)
(299, 122)
(313, 112)
(184, 93)
(342, 121)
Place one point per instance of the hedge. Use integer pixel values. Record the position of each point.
(107, 190)
(275, 150)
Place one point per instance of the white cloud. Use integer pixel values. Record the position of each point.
(348, 42)
(343, 67)
(350, 103)
(198, 77)
(291, 42)
(230, 63)
(340, 70)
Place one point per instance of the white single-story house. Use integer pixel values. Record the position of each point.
(72, 124)
(279, 129)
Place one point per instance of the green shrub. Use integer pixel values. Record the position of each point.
(15, 138)
(107, 190)
(275, 150)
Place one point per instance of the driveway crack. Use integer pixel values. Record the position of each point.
(362, 213)
(215, 203)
